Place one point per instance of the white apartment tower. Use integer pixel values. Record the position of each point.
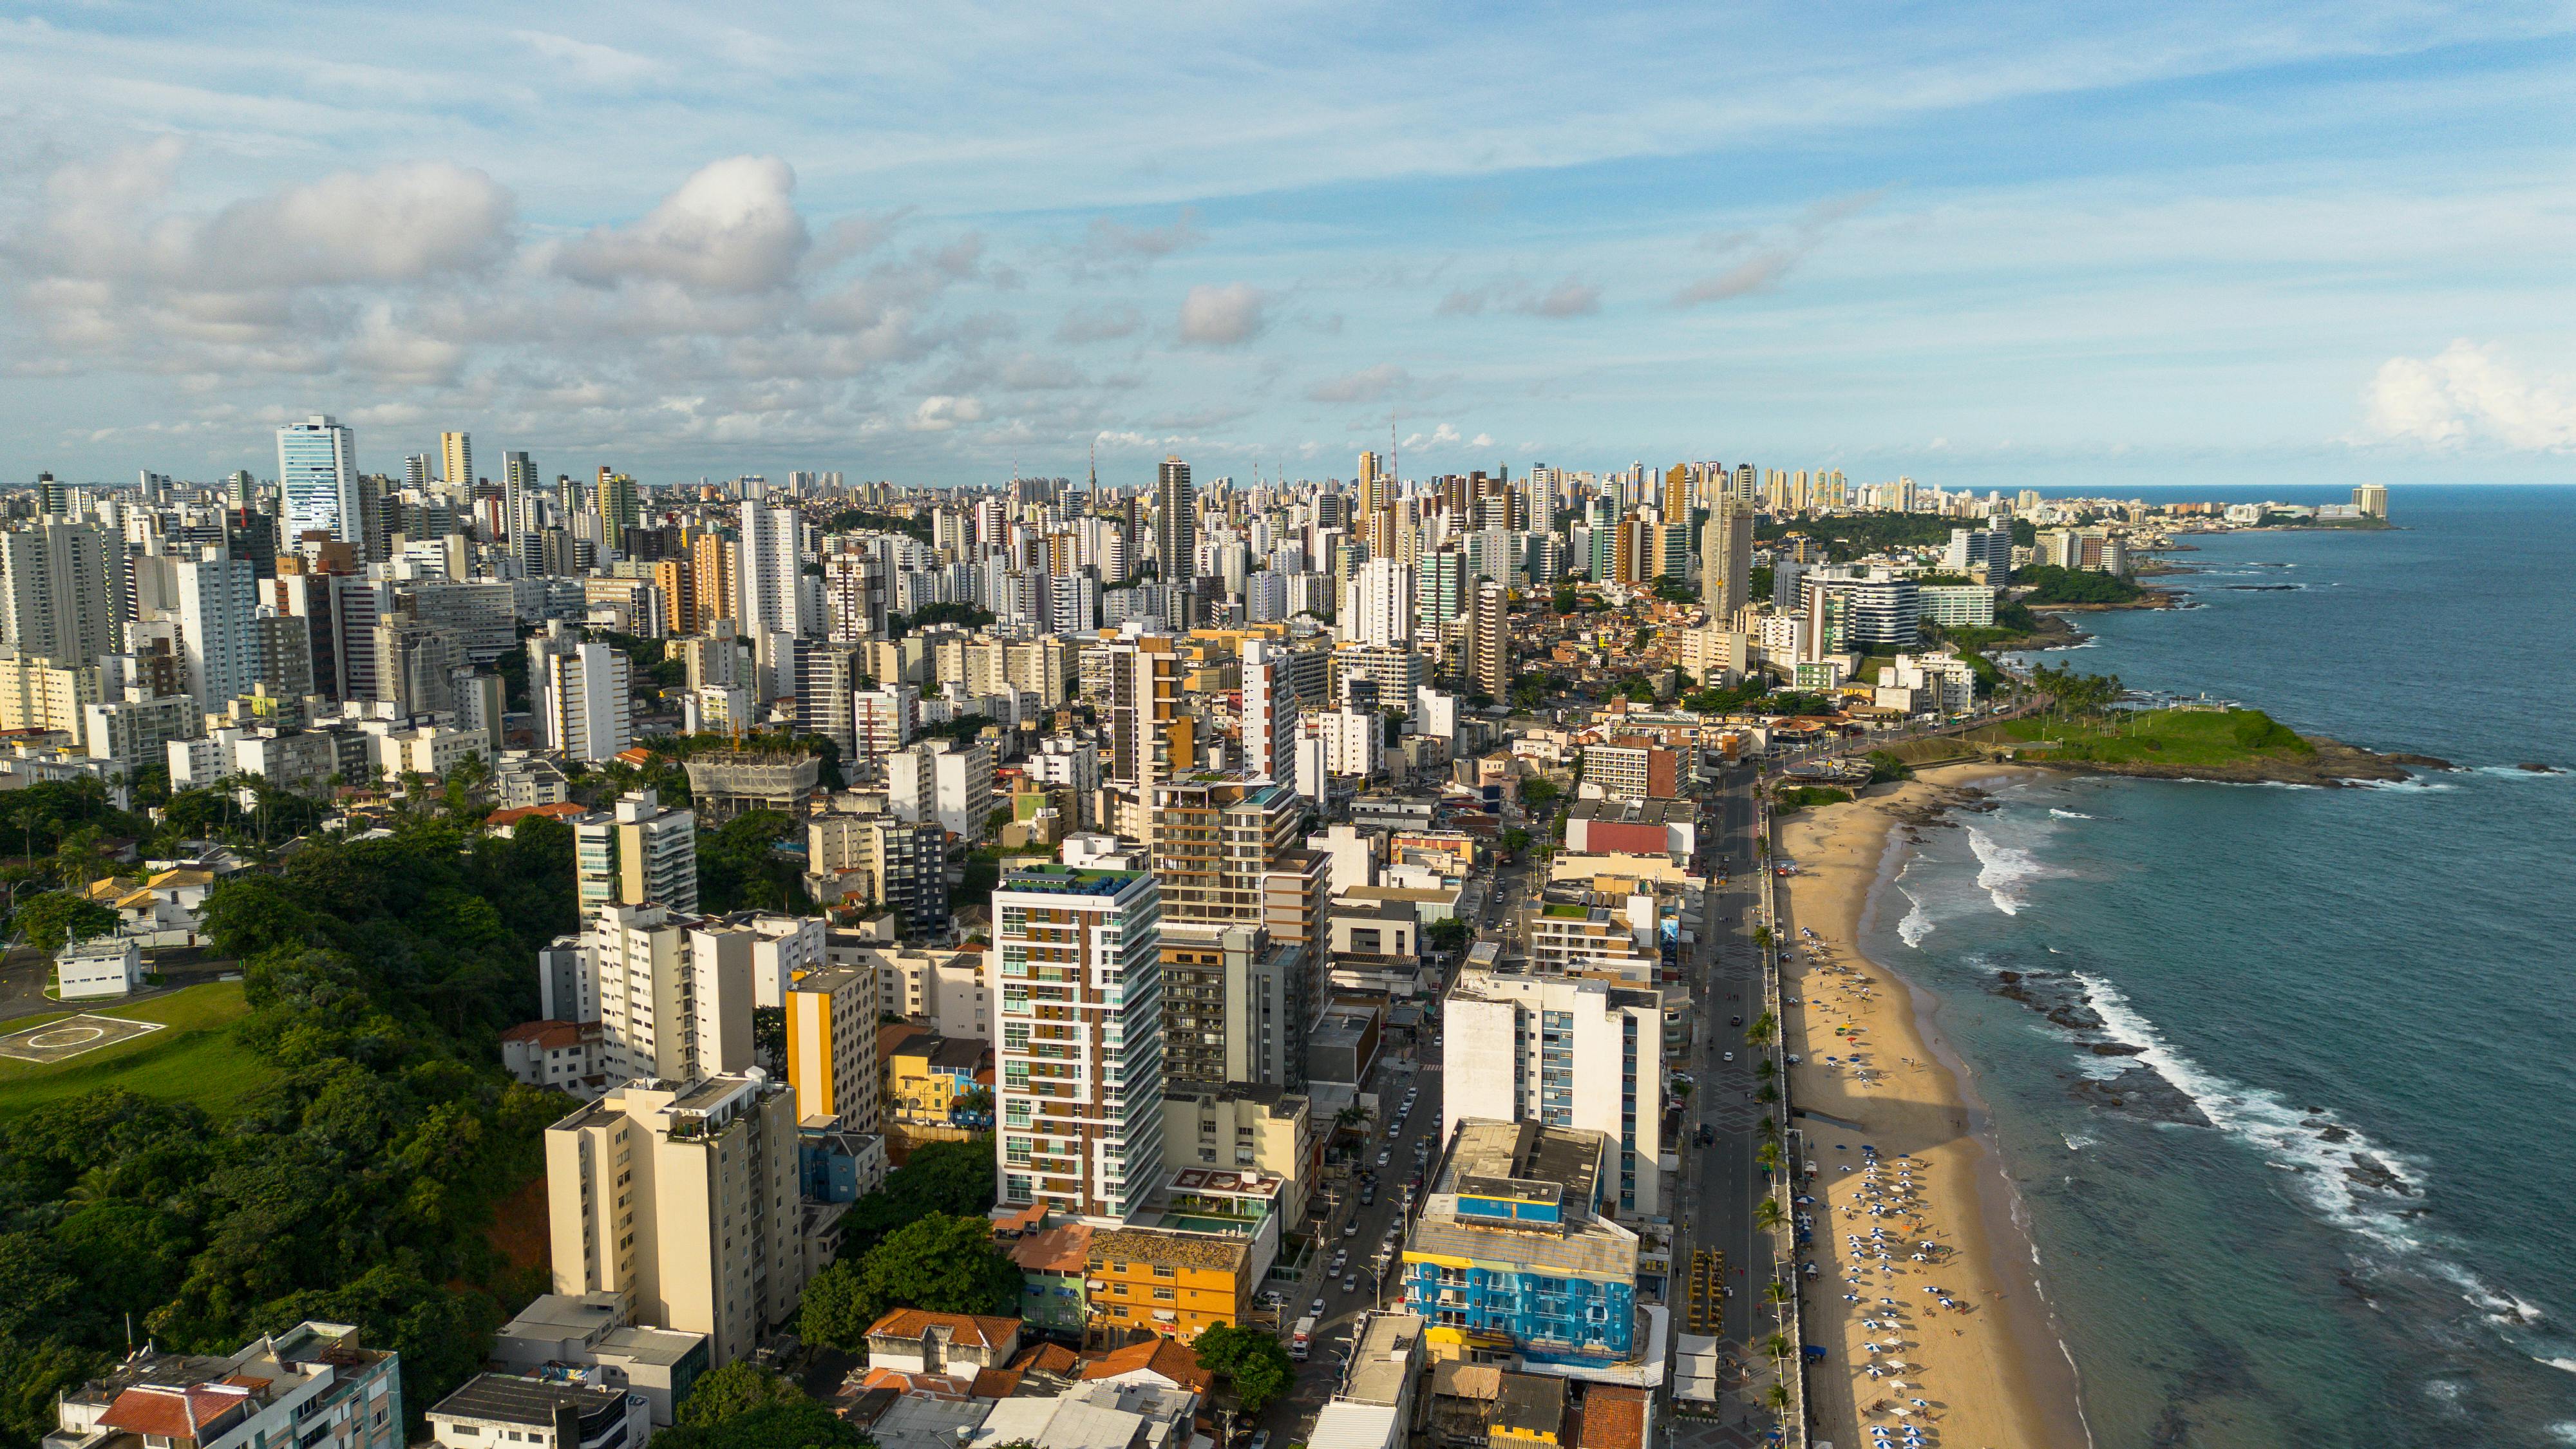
(1269, 713)
(1079, 969)
(580, 690)
(770, 574)
(218, 597)
(636, 853)
(675, 1001)
(1562, 1052)
(60, 584)
(1377, 608)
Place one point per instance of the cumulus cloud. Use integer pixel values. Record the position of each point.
(1099, 324)
(2467, 394)
(1110, 246)
(732, 227)
(1774, 260)
(940, 413)
(1369, 384)
(1213, 316)
(1572, 297)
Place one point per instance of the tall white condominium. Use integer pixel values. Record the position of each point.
(317, 481)
(1377, 608)
(679, 1199)
(637, 852)
(1726, 559)
(60, 584)
(218, 597)
(1081, 1016)
(580, 690)
(1562, 1052)
(1269, 713)
(672, 1003)
(773, 592)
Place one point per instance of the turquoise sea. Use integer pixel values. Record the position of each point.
(2318, 1183)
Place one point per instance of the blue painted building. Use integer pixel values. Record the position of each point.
(1516, 1254)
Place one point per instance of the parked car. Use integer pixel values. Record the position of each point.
(1351, 1284)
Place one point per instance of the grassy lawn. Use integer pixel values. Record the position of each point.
(198, 1059)
(2161, 736)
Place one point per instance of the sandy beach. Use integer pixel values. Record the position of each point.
(1931, 1208)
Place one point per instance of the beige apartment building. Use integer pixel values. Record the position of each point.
(1239, 1125)
(685, 1201)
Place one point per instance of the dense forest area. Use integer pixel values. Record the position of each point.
(356, 1183)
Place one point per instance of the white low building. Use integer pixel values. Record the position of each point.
(99, 966)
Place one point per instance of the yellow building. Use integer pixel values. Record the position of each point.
(1174, 1284)
(925, 1075)
(832, 1046)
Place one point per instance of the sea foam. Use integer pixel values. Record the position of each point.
(2003, 870)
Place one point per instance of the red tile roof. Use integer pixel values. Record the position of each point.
(170, 1411)
(1614, 1417)
(1064, 1249)
(969, 1329)
(564, 811)
(1176, 1364)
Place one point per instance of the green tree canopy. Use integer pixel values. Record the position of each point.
(940, 1262)
(956, 1178)
(1251, 1360)
(732, 1391)
(56, 917)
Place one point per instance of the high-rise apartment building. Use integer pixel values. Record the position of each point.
(61, 586)
(580, 693)
(217, 597)
(1152, 735)
(1269, 719)
(1176, 523)
(1726, 559)
(769, 572)
(675, 1002)
(1079, 967)
(456, 461)
(1489, 642)
(682, 1198)
(318, 484)
(832, 1046)
(1565, 1053)
(636, 852)
(1377, 608)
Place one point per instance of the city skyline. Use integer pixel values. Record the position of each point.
(1996, 248)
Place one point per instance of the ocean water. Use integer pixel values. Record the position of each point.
(2287, 1083)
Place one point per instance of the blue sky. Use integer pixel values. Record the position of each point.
(1985, 245)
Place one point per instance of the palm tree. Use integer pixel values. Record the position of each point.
(1778, 1397)
(1768, 1155)
(1776, 1294)
(1767, 1214)
(1777, 1345)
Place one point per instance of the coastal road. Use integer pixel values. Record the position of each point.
(1721, 1181)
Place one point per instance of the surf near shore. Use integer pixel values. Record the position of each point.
(1926, 1298)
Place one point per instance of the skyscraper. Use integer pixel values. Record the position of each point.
(60, 586)
(770, 576)
(1269, 712)
(1378, 608)
(519, 511)
(1081, 1054)
(1176, 525)
(1490, 646)
(456, 462)
(1726, 559)
(1151, 732)
(217, 595)
(317, 481)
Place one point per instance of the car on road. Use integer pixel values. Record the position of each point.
(1350, 1230)
(1316, 1308)
(1730, 1056)
(1340, 1256)
(1383, 1158)
(1351, 1284)
(1735, 1021)
(1368, 1197)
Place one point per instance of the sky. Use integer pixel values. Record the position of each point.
(1981, 245)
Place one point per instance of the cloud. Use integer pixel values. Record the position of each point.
(1369, 384)
(1766, 267)
(1099, 324)
(1224, 316)
(1572, 297)
(1111, 247)
(2465, 395)
(731, 227)
(1442, 436)
(940, 413)
(598, 65)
